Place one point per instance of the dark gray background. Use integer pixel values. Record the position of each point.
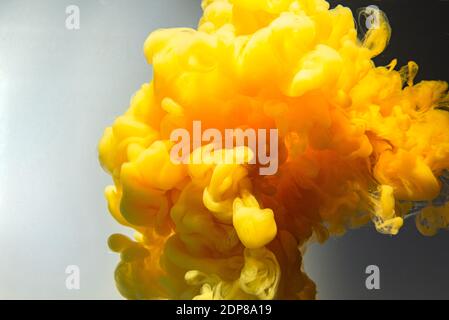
(59, 89)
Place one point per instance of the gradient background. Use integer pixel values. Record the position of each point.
(59, 89)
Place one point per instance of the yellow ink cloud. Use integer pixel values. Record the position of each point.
(357, 143)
